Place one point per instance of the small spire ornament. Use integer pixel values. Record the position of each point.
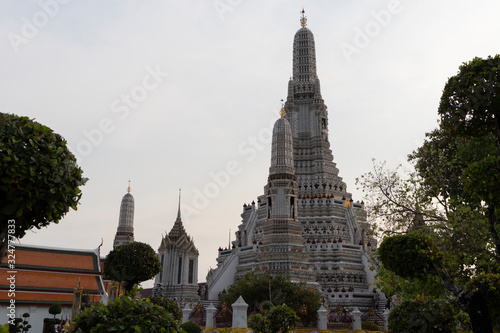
(303, 19)
(282, 111)
(128, 189)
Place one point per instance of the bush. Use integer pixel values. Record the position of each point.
(259, 323)
(369, 326)
(126, 315)
(169, 305)
(422, 315)
(191, 327)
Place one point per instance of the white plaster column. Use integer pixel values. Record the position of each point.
(240, 313)
(185, 314)
(356, 319)
(322, 318)
(210, 316)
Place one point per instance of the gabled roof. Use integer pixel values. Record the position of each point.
(44, 275)
(177, 237)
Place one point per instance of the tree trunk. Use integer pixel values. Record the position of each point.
(4, 242)
(477, 309)
(492, 220)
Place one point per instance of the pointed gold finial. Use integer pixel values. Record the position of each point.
(303, 19)
(282, 112)
(128, 188)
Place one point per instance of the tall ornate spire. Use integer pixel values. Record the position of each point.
(304, 56)
(179, 209)
(282, 151)
(178, 229)
(125, 230)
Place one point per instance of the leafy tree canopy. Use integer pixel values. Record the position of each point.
(39, 178)
(453, 198)
(254, 288)
(423, 315)
(470, 104)
(410, 255)
(131, 264)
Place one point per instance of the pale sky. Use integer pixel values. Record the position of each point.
(183, 94)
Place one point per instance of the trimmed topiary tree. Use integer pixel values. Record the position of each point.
(39, 178)
(369, 326)
(55, 309)
(131, 264)
(191, 327)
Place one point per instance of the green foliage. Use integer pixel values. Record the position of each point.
(470, 104)
(409, 255)
(126, 315)
(131, 264)
(423, 315)
(169, 305)
(282, 319)
(191, 327)
(39, 177)
(408, 289)
(24, 326)
(279, 318)
(254, 288)
(369, 326)
(266, 306)
(55, 309)
(4, 328)
(259, 323)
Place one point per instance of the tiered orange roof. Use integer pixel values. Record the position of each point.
(45, 275)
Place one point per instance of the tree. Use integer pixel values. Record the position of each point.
(431, 248)
(453, 198)
(255, 289)
(422, 315)
(126, 315)
(470, 104)
(131, 264)
(39, 178)
(25, 325)
(55, 309)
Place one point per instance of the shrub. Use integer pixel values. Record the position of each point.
(126, 315)
(259, 323)
(369, 326)
(169, 305)
(191, 327)
(282, 319)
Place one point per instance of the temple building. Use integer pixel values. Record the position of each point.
(45, 275)
(305, 224)
(178, 256)
(125, 230)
